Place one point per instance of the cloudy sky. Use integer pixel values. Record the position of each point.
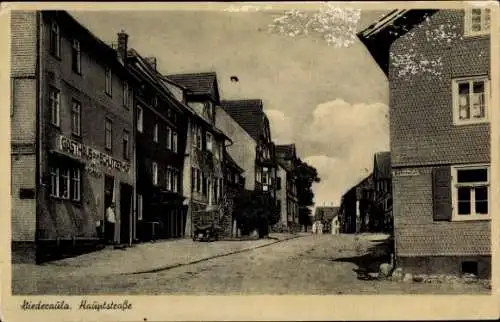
(331, 102)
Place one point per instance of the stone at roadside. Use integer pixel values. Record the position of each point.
(469, 278)
(397, 275)
(408, 278)
(385, 270)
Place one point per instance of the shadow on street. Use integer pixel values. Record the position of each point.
(369, 260)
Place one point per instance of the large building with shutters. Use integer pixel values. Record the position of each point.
(440, 136)
(72, 137)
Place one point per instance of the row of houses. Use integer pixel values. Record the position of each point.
(94, 124)
(439, 137)
(367, 206)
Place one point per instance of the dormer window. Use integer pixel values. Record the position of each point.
(477, 22)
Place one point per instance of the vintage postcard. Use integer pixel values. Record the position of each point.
(250, 161)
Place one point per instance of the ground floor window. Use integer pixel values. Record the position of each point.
(65, 182)
(471, 192)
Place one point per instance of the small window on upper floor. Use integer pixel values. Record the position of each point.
(108, 81)
(76, 57)
(470, 100)
(477, 22)
(55, 40)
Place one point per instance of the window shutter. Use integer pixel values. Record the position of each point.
(441, 194)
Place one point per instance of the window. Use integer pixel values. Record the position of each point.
(75, 184)
(55, 40)
(126, 143)
(139, 119)
(108, 80)
(54, 105)
(76, 57)
(108, 134)
(175, 181)
(470, 192)
(477, 22)
(174, 141)
(155, 173)
(265, 176)
(65, 183)
(126, 94)
(155, 133)
(139, 207)
(169, 179)
(196, 179)
(471, 98)
(197, 140)
(76, 112)
(209, 141)
(54, 182)
(169, 138)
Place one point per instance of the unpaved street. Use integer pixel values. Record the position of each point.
(322, 265)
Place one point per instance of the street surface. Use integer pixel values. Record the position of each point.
(320, 265)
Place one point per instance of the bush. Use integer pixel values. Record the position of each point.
(255, 210)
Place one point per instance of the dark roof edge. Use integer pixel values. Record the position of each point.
(379, 36)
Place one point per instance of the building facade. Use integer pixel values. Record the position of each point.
(72, 136)
(355, 207)
(160, 132)
(260, 163)
(381, 219)
(286, 188)
(440, 139)
(203, 184)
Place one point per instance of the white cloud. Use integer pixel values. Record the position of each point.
(345, 138)
(281, 126)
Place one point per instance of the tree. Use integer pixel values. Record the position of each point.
(305, 176)
(255, 210)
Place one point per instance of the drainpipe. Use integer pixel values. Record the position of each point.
(39, 121)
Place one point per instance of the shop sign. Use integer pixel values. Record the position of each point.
(91, 156)
(406, 173)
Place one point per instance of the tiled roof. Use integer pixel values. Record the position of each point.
(197, 83)
(382, 165)
(326, 213)
(249, 114)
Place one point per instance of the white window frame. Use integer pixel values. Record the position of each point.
(140, 119)
(169, 138)
(169, 179)
(76, 48)
(155, 132)
(76, 110)
(485, 29)
(54, 182)
(210, 142)
(456, 103)
(56, 31)
(75, 184)
(455, 185)
(139, 207)
(154, 170)
(126, 94)
(108, 81)
(65, 177)
(126, 144)
(174, 141)
(55, 106)
(108, 141)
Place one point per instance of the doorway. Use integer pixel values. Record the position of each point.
(109, 232)
(125, 212)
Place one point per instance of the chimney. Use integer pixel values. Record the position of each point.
(151, 61)
(122, 46)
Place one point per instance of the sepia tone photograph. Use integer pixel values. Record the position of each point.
(251, 149)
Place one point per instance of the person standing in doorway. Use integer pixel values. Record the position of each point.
(110, 223)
